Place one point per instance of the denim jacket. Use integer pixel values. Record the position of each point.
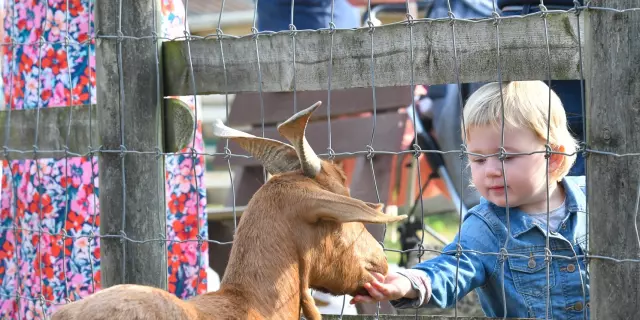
(521, 269)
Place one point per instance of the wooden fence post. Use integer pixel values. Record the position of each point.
(612, 52)
(129, 93)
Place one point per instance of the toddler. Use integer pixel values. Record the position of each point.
(503, 240)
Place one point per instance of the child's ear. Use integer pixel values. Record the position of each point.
(556, 159)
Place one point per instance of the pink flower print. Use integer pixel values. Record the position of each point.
(45, 242)
(32, 84)
(59, 96)
(30, 55)
(87, 175)
(82, 243)
(78, 172)
(45, 168)
(82, 23)
(39, 12)
(28, 21)
(85, 200)
(191, 252)
(56, 22)
(7, 304)
(76, 282)
(31, 285)
(199, 170)
(12, 270)
(81, 249)
(26, 190)
(6, 198)
(183, 183)
(191, 206)
(186, 167)
(29, 313)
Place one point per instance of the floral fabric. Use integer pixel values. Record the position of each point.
(60, 196)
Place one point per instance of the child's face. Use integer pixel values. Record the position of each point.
(525, 174)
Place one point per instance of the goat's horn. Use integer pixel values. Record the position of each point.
(294, 130)
(277, 157)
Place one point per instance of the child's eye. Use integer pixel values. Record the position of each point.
(478, 160)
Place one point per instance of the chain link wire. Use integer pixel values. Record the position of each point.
(366, 151)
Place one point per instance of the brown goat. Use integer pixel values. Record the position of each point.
(300, 230)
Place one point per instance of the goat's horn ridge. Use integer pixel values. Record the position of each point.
(277, 157)
(294, 130)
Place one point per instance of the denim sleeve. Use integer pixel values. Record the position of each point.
(443, 286)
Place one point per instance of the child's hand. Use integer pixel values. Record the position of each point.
(392, 287)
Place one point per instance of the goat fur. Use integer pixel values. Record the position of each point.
(300, 230)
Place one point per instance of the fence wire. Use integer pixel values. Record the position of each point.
(44, 298)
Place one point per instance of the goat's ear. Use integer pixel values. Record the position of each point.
(275, 156)
(326, 205)
(294, 130)
(375, 206)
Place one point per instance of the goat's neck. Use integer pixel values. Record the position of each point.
(264, 271)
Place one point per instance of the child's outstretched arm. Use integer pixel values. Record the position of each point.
(435, 282)
(392, 287)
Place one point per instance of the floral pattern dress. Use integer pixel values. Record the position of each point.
(48, 269)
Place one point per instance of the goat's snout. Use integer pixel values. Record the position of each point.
(381, 268)
(368, 271)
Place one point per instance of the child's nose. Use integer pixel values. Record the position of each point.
(494, 167)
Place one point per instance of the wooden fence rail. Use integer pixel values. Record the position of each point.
(523, 56)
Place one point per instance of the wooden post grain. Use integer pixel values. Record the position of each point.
(129, 99)
(612, 52)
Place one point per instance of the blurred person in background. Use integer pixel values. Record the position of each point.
(29, 185)
(275, 15)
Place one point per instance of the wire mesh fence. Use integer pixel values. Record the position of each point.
(53, 246)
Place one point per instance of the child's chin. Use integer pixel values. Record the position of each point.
(504, 205)
(501, 202)
(498, 200)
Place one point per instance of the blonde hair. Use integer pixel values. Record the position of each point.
(526, 105)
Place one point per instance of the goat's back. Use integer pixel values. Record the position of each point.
(132, 302)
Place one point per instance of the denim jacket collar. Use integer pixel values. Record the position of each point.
(576, 205)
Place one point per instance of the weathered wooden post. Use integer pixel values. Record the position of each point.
(612, 52)
(129, 99)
